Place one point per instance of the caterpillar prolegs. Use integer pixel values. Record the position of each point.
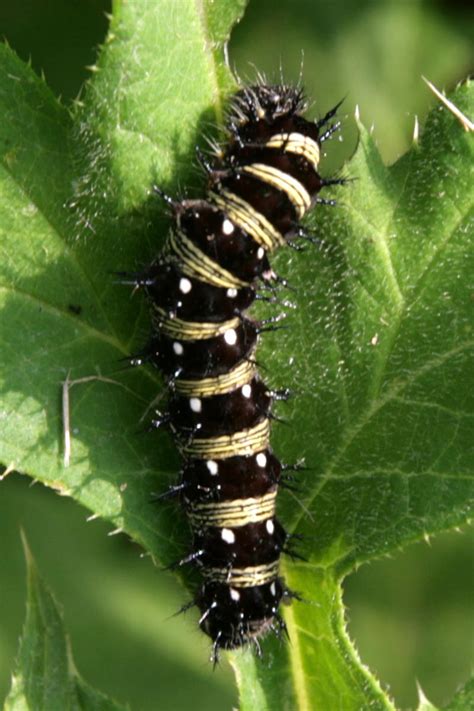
(260, 185)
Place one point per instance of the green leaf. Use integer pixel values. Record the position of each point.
(159, 81)
(378, 348)
(66, 188)
(424, 703)
(463, 699)
(384, 414)
(45, 678)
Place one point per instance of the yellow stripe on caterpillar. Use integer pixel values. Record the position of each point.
(243, 443)
(220, 384)
(296, 143)
(194, 263)
(295, 191)
(249, 220)
(234, 513)
(190, 330)
(249, 577)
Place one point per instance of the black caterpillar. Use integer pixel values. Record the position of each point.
(260, 184)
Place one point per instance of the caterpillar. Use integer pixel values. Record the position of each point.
(214, 263)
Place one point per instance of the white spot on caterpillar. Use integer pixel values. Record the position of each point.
(228, 535)
(227, 227)
(247, 391)
(212, 466)
(261, 459)
(231, 293)
(230, 337)
(178, 348)
(185, 285)
(260, 253)
(273, 589)
(270, 526)
(235, 595)
(195, 404)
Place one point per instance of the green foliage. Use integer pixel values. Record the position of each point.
(383, 414)
(463, 699)
(45, 678)
(379, 344)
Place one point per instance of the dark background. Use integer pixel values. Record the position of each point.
(411, 615)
